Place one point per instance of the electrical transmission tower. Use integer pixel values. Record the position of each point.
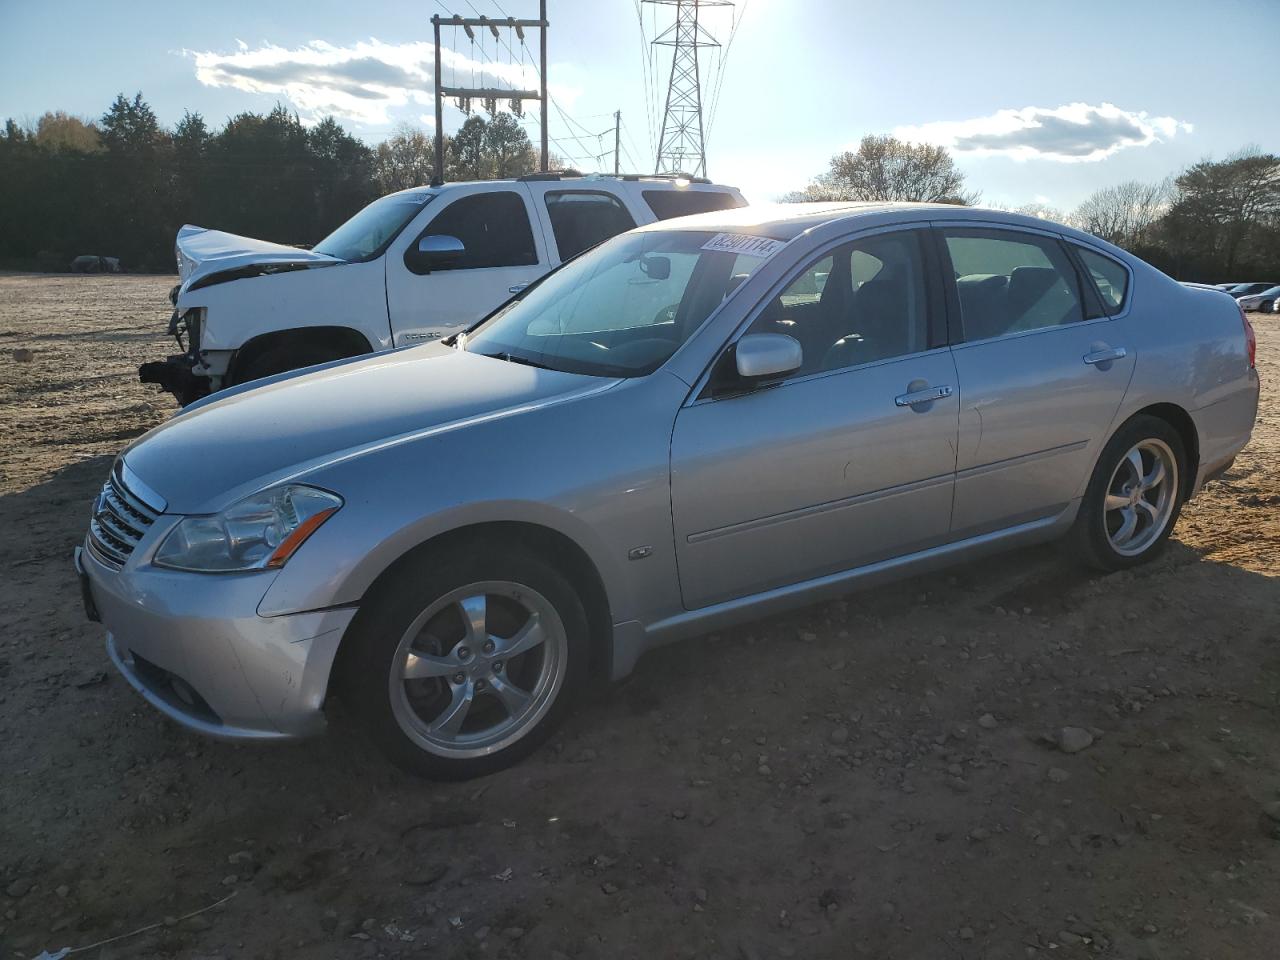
(681, 147)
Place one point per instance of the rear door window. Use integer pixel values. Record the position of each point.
(666, 204)
(494, 228)
(1109, 278)
(581, 219)
(1010, 282)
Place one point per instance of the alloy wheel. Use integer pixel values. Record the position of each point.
(478, 668)
(1140, 497)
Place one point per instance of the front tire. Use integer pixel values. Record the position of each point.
(462, 664)
(1134, 497)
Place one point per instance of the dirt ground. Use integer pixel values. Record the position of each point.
(898, 794)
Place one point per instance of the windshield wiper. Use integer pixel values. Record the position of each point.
(512, 358)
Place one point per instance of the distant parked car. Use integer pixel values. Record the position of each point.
(411, 267)
(1225, 286)
(88, 263)
(1263, 301)
(696, 423)
(1247, 289)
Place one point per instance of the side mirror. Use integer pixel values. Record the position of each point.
(763, 356)
(656, 268)
(753, 361)
(434, 252)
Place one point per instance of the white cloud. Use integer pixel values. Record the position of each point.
(1076, 132)
(365, 82)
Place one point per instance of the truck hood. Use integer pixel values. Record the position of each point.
(242, 440)
(202, 253)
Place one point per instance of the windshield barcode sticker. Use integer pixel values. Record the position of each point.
(742, 244)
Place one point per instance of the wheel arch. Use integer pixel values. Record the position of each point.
(548, 544)
(349, 341)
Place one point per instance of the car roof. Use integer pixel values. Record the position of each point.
(785, 221)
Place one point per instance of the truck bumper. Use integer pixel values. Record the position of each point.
(174, 375)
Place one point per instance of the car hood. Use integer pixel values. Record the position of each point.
(244, 439)
(202, 253)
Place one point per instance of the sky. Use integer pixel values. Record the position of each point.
(1040, 101)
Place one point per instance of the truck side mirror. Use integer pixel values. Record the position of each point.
(434, 252)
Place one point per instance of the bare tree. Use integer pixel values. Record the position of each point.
(405, 159)
(1044, 211)
(885, 168)
(1124, 214)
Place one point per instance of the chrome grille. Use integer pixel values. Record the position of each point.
(118, 522)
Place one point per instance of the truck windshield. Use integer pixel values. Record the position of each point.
(367, 234)
(623, 308)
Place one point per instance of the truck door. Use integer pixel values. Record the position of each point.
(575, 219)
(504, 251)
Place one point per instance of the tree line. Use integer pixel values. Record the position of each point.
(122, 184)
(1214, 222)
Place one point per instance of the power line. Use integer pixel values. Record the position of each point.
(646, 71)
(724, 62)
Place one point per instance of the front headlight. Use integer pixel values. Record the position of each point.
(260, 532)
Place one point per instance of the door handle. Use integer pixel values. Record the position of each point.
(1106, 356)
(926, 395)
(517, 287)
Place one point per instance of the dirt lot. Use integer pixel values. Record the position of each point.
(896, 795)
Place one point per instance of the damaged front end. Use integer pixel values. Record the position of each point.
(175, 374)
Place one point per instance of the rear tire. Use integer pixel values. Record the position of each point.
(1134, 496)
(462, 663)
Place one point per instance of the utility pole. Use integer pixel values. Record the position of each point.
(542, 75)
(681, 147)
(464, 95)
(617, 140)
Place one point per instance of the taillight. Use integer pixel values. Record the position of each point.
(1250, 338)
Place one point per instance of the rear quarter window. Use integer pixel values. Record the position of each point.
(1109, 278)
(666, 204)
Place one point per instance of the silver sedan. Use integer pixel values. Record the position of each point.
(695, 423)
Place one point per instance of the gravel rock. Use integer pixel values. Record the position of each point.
(18, 888)
(1058, 775)
(988, 722)
(1074, 739)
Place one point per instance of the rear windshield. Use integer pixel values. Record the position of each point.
(666, 204)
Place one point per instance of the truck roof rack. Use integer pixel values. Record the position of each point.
(575, 175)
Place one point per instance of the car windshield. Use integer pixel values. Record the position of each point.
(368, 233)
(623, 308)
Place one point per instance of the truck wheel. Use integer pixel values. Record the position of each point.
(284, 358)
(462, 663)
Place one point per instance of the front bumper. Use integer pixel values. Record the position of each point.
(195, 648)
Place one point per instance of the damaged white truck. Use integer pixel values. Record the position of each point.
(414, 266)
